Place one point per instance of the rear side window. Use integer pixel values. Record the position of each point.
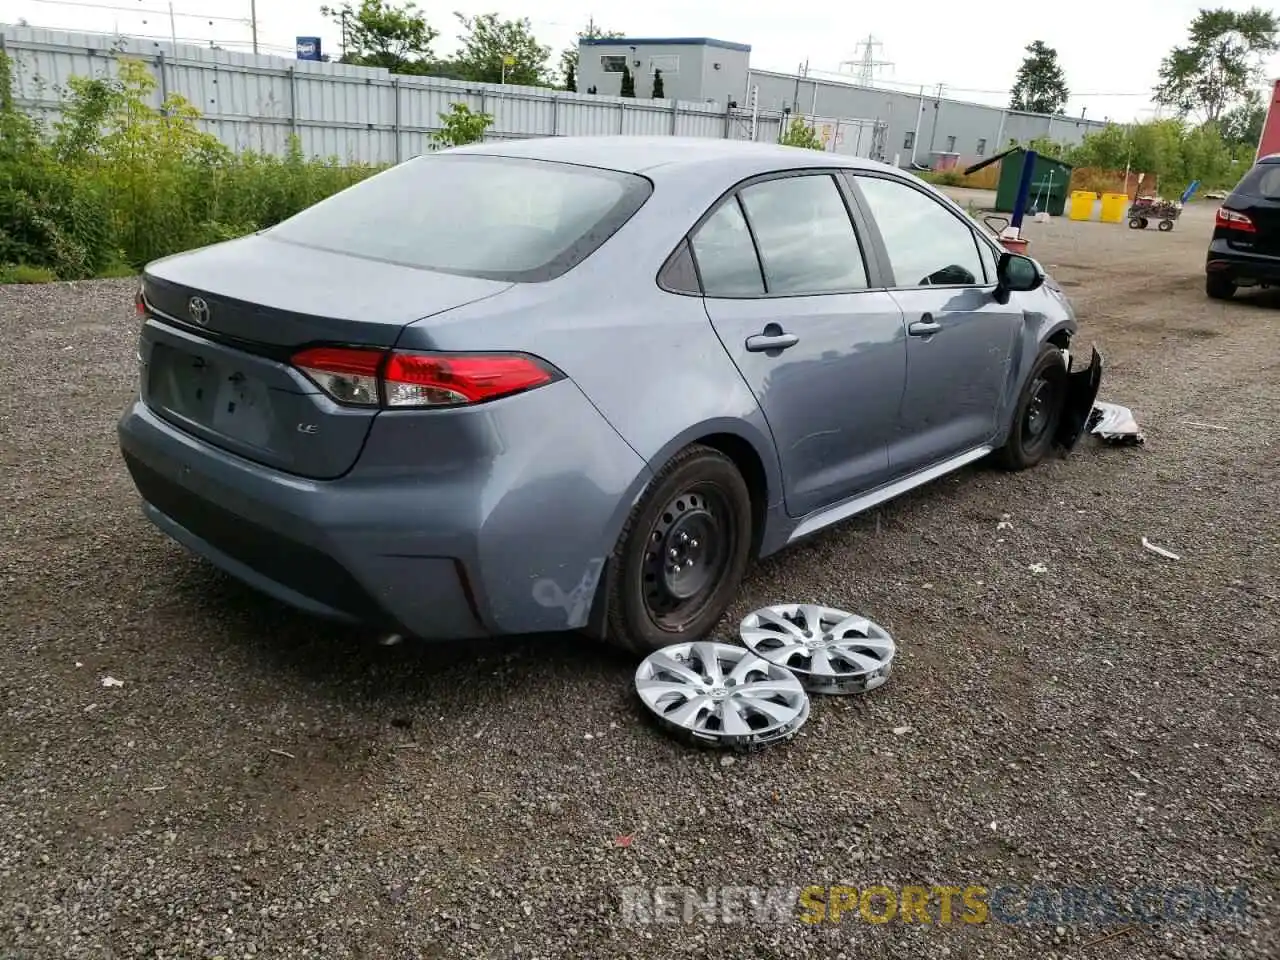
(1262, 181)
(805, 236)
(499, 218)
(726, 256)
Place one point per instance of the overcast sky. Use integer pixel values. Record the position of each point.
(1109, 50)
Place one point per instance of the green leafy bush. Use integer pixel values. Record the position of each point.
(116, 182)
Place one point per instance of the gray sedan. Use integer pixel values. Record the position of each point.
(580, 383)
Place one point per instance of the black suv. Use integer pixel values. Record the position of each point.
(1245, 249)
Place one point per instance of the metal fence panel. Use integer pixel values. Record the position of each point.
(359, 114)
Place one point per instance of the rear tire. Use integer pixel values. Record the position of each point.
(1165, 226)
(1038, 412)
(1219, 288)
(682, 553)
(1135, 223)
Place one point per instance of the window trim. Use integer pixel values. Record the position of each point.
(870, 263)
(882, 251)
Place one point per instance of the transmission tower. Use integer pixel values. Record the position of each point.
(866, 64)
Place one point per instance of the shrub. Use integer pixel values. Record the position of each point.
(800, 134)
(116, 182)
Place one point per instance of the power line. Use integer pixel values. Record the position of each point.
(120, 9)
(1006, 92)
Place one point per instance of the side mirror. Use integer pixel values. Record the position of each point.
(1015, 272)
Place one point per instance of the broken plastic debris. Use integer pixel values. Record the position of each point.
(1114, 424)
(112, 682)
(624, 840)
(1038, 568)
(1160, 550)
(901, 731)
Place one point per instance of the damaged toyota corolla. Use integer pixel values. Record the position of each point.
(580, 383)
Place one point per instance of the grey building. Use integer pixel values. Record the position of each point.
(693, 68)
(920, 127)
(924, 128)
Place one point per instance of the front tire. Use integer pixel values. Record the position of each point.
(682, 553)
(1038, 412)
(1219, 288)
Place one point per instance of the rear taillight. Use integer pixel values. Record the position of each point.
(402, 380)
(1234, 220)
(139, 303)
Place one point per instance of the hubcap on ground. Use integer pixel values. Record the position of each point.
(686, 554)
(828, 650)
(722, 695)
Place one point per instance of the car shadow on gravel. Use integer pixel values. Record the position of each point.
(352, 664)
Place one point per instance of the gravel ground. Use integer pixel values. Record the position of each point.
(262, 784)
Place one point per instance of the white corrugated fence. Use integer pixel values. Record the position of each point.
(364, 114)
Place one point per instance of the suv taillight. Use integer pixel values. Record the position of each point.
(1234, 220)
(395, 379)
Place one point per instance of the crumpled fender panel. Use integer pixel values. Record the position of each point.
(1082, 391)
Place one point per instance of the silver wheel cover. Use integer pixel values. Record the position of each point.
(829, 650)
(721, 694)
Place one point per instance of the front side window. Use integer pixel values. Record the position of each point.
(494, 217)
(613, 63)
(927, 244)
(806, 239)
(727, 262)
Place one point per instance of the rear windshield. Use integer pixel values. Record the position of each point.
(1262, 181)
(499, 218)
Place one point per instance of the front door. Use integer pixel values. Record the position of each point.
(960, 340)
(786, 289)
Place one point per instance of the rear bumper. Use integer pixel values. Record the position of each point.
(1224, 261)
(498, 548)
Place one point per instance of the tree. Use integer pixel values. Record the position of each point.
(500, 51)
(1222, 59)
(628, 87)
(1242, 126)
(659, 91)
(570, 79)
(569, 55)
(800, 134)
(460, 126)
(378, 34)
(1040, 86)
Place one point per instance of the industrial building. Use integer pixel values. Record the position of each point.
(922, 128)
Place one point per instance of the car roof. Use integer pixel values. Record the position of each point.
(641, 154)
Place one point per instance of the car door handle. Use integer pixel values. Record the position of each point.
(926, 326)
(772, 339)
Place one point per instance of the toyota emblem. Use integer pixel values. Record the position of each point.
(198, 310)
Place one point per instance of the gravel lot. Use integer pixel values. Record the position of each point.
(262, 784)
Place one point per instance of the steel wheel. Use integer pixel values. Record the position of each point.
(829, 650)
(1043, 400)
(689, 547)
(721, 695)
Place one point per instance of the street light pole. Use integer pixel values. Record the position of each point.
(253, 18)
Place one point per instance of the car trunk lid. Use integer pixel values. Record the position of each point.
(221, 326)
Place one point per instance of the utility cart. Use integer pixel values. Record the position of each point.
(1145, 209)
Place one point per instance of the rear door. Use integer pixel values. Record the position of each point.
(1258, 197)
(788, 290)
(959, 338)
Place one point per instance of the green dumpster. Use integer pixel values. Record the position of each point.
(1050, 183)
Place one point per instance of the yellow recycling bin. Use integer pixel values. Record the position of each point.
(1114, 206)
(1081, 207)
